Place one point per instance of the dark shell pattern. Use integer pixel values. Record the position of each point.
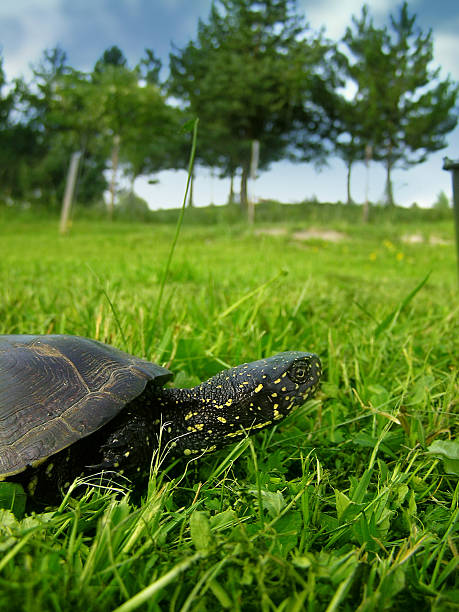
(46, 386)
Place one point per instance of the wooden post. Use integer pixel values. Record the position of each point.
(69, 190)
(255, 156)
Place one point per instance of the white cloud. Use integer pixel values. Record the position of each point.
(446, 51)
(26, 30)
(336, 15)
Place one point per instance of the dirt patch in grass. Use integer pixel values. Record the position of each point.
(314, 234)
(419, 239)
(271, 231)
(303, 235)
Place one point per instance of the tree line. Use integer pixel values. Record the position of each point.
(254, 72)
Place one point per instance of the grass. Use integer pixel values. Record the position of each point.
(340, 507)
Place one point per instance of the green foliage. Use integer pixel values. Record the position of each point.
(112, 56)
(254, 72)
(405, 110)
(131, 207)
(346, 505)
(442, 202)
(448, 451)
(13, 498)
(65, 110)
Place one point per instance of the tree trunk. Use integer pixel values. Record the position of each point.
(115, 157)
(244, 177)
(254, 157)
(131, 189)
(231, 193)
(366, 205)
(348, 182)
(389, 189)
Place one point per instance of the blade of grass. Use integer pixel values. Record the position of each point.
(112, 307)
(145, 594)
(393, 316)
(250, 294)
(177, 228)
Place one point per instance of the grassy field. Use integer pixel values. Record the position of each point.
(349, 504)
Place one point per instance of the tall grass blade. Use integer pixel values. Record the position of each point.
(393, 316)
(145, 594)
(177, 229)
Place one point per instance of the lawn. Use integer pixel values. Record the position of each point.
(350, 503)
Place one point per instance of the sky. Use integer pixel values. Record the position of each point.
(85, 28)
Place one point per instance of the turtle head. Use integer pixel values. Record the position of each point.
(243, 400)
(268, 389)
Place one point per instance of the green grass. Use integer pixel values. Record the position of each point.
(341, 506)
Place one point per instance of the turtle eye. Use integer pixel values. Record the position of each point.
(298, 372)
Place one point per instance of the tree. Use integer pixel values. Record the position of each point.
(49, 127)
(353, 130)
(113, 56)
(150, 68)
(43, 153)
(248, 77)
(410, 110)
(8, 151)
(135, 117)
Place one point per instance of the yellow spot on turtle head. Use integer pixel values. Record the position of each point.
(261, 425)
(258, 389)
(221, 419)
(229, 402)
(276, 382)
(232, 434)
(188, 416)
(186, 451)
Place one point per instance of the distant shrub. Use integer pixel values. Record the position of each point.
(442, 202)
(130, 206)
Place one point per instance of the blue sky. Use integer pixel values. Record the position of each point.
(85, 28)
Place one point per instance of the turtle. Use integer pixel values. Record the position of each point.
(72, 406)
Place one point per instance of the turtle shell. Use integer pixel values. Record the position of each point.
(57, 389)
